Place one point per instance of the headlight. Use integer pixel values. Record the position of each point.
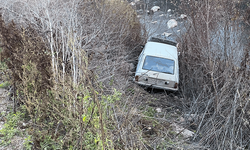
(167, 82)
(137, 78)
(175, 85)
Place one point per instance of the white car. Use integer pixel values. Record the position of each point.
(158, 65)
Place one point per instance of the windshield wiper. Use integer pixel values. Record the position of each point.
(167, 72)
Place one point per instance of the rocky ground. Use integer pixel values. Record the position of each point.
(165, 25)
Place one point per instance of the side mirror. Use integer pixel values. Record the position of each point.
(177, 45)
(142, 46)
(179, 53)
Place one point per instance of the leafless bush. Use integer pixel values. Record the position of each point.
(212, 74)
(83, 44)
(105, 30)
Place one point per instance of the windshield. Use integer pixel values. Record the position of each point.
(159, 64)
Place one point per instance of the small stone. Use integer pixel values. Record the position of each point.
(130, 73)
(155, 8)
(158, 110)
(166, 34)
(181, 119)
(154, 22)
(185, 132)
(140, 10)
(183, 16)
(190, 117)
(131, 66)
(246, 123)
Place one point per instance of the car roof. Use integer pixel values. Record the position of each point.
(161, 50)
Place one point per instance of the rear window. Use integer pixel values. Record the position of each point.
(159, 64)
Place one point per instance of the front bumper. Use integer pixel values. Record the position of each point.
(157, 86)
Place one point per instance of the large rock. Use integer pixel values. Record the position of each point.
(172, 23)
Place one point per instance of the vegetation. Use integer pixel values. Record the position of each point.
(67, 64)
(10, 127)
(214, 54)
(54, 73)
(4, 84)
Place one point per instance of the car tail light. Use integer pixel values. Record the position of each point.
(136, 78)
(175, 85)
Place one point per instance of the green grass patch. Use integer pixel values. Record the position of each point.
(9, 129)
(150, 111)
(4, 84)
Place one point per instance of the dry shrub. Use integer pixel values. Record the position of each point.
(213, 76)
(59, 59)
(23, 49)
(119, 38)
(64, 115)
(122, 17)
